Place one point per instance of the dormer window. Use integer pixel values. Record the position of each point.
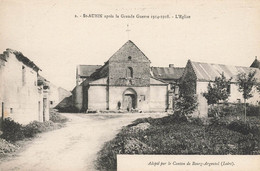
(129, 58)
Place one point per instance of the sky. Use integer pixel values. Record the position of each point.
(48, 33)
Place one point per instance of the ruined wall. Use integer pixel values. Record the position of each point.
(19, 90)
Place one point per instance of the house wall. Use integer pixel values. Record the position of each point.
(235, 96)
(202, 111)
(53, 95)
(63, 93)
(57, 94)
(97, 98)
(20, 97)
(158, 98)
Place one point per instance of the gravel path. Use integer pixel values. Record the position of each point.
(73, 147)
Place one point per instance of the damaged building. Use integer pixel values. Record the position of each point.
(23, 96)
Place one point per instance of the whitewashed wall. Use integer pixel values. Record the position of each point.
(20, 99)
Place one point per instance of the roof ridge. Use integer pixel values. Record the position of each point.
(219, 64)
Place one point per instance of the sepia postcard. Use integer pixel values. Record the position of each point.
(129, 85)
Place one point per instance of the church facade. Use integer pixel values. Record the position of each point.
(124, 82)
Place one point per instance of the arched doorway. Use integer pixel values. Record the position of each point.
(129, 99)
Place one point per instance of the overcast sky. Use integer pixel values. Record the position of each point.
(48, 33)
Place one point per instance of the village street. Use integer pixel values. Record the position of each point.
(73, 147)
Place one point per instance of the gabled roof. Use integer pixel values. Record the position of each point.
(208, 72)
(256, 64)
(87, 70)
(167, 73)
(128, 49)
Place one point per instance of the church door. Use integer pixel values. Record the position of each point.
(129, 100)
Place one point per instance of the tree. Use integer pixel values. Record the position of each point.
(245, 83)
(218, 90)
(187, 101)
(258, 87)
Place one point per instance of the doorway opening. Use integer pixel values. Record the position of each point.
(129, 99)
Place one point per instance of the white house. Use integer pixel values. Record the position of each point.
(203, 73)
(22, 98)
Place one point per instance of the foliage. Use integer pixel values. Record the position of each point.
(226, 110)
(245, 84)
(187, 101)
(57, 117)
(175, 137)
(12, 131)
(244, 128)
(218, 90)
(35, 127)
(6, 147)
(253, 110)
(258, 87)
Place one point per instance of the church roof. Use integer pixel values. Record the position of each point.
(87, 70)
(167, 73)
(129, 48)
(256, 63)
(208, 71)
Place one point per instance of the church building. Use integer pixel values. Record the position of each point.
(124, 82)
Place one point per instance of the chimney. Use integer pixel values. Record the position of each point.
(171, 65)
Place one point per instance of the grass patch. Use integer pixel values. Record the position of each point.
(175, 135)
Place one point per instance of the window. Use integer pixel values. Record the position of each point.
(51, 102)
(23, 75)
(142, 97)
(11, 110)
(129, 58)
(229, 89)
(129, 72)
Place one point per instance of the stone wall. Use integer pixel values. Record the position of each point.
(129, 56)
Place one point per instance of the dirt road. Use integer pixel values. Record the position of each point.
(73, 147)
